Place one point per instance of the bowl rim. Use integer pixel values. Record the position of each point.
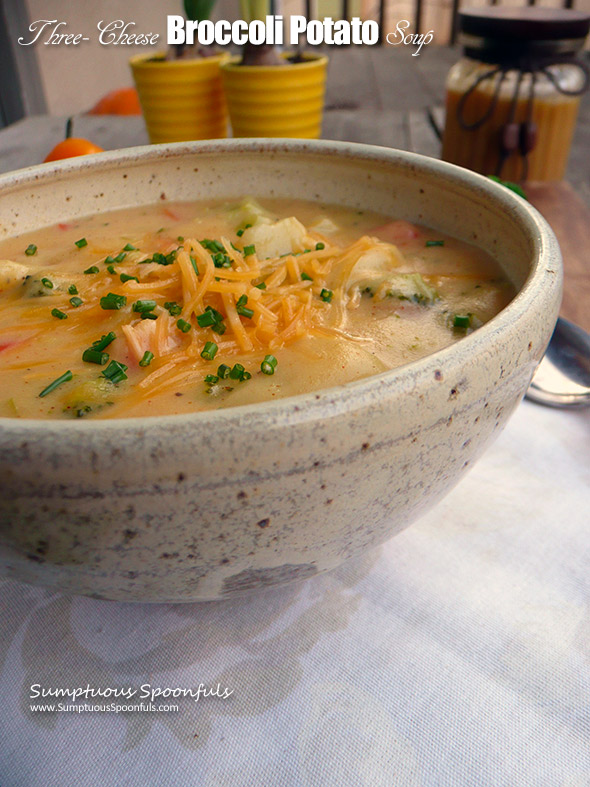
(545, 274)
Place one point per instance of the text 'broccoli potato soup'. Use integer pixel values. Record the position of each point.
(180, 307)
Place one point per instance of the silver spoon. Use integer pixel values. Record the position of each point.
(562, 378)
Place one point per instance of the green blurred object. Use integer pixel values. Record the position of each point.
(198, 10)
(510, 185)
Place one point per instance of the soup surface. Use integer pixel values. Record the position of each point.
(179, 307)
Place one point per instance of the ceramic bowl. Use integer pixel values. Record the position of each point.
(210, 505)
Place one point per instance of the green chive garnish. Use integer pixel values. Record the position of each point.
(109, 260)
(183, 325)
(211, 379)
(320, 246)
(180, 239)
(143, 306)
(248, 250)
(206, 319)
(261, 286)
(76, 302)
(115, 372)
(461, 321)
(47, 283)
(129, 247)
(59, 315)
(269, 364)
(306, 277)
(430, 243)
(148, 357)
(81, 243)
(245, 312)
(194, 264)
(64, 378)
(120, 257)
(149, 316)
(237, 371)
(111, 270)
(223, 371)
(104, 341)
(209, 351)
(91, 269)
(239, 233)
(30, 250)
(173, 308)
(72, 289)
(126, 277)
(326, 295)
(92, 355)
(112, 301)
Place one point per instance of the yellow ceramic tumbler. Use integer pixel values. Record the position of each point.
(276, 101)
(181, 99)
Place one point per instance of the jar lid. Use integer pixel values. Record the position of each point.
(510, 35)
(524, 24)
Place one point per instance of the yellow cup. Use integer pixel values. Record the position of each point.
(181, 99)
(276, 101)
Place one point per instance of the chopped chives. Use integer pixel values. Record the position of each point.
(120, 257)
(194, 264)
(72, 289)
(211, 379)
(64, 378)
(180, 239)
(223, 371)
(148, 357)
(430, 243)
(81, 243)
(173, 308)
(237, 371)
(239, 233)
(92, 355)
(129, 247)
(183, 325)
(30, 250)
(206, 319)
(261, 286)
(245, 311)
(111, 270)
(75, 301)
(306, 277)
(209, 351)
(126, 277)
(149, 316)
(47, 283)
(115, 372)
(461, 321)
(248, 250)
(109, 260)
(320, 246)
(112, 301)
(92, 269)
(242, 300)
(59, 314)
(269, 364)
(326, 295)
(143, 306)
(104, 341)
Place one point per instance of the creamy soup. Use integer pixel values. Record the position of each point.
(179, 307)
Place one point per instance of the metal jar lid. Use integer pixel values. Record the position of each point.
(497, 34)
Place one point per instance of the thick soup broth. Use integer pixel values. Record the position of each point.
(182, 307)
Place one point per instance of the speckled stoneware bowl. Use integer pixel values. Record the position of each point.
(214, 504)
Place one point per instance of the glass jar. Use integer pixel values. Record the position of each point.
(513, 98)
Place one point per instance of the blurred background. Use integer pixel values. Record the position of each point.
(59, 81)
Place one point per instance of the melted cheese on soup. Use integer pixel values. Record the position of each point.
(180, 307)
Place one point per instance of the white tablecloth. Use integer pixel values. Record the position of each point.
(456, 654)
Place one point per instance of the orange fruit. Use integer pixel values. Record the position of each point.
(123, 101)
(72, 146)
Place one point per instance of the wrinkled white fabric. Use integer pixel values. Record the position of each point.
(456, 654)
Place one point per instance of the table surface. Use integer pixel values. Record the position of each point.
(457, 654)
